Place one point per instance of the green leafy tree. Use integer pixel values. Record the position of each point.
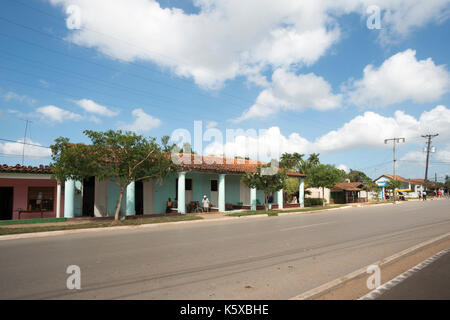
(392, 185)
(121, 157)
(447, 180)
(269, 183)
(324, 176)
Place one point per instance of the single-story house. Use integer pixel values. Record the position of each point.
(415, 185)
(347, 192)
(217, 178)
(29, 192)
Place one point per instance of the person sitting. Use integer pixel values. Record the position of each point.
(205, 204)
(169, 206)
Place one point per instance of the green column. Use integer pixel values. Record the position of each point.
(131, 210)
(301, 192)
(69, 197)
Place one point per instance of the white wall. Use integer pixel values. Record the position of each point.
(317, 193)
(101, 198)
(148, 197)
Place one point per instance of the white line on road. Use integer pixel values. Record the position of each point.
(392, 283)
(307, 226)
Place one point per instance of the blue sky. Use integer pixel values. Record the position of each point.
(313, 74)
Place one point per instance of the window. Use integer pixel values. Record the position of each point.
(40, 198)
(213, 185)
(188, 185)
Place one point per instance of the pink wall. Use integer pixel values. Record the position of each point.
(20, 196)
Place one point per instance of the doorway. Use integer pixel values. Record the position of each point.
(6, 203)
(139, 197)
(88, 197)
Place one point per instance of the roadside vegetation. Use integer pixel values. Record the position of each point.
(94, 224)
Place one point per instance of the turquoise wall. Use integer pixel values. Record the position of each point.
(232, 189)
(161, 192)
(260, 196)
(113, 197)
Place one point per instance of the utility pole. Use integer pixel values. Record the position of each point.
(25, 139)
(395, 140)
(428, 149)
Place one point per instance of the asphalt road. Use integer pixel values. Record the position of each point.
(430, 283)
(259, 258)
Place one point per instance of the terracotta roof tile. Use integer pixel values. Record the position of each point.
(25, 169)
(347, 186)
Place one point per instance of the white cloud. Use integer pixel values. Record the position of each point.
(211, 124)
(400, 78)
(16, 149)
(10, 95)
(95, 108)
(367, 130)
(143, 122)
(56, 114)
(343, 167)
(227, 37)
(289, 91)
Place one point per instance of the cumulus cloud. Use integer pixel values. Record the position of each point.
(400, 78)
(367, 130)
(16, 149)
(343, 167)
(143, 122)
(222, 40)
(95, 108)
(289, 91)
(56, 114)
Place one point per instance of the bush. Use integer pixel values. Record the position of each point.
(310, 202)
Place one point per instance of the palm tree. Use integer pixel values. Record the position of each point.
(314, 159)
(291, 161)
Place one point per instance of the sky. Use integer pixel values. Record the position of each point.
(254, 78)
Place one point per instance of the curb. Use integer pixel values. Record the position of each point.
(339, 281)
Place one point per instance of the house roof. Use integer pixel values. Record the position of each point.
(390, 176)
(222, 165)
(347, 186)
(195, 163)
(25, 169)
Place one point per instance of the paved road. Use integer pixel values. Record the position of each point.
(430, 283)
(259, 258)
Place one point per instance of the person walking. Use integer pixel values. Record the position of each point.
(424, 196)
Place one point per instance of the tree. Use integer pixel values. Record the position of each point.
(324, 176)
(121, 157)
(447, 180)
(313, 159)
(291, 161)
(269, 183)
(392, 185)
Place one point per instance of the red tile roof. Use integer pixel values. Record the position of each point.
(222, 165)
(347, 186)
(25, 169)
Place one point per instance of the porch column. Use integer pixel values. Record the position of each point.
(69, 197)
(280, 199)
(301, 192)
(58, 199)
(130, 209)
(253, 199)
(182, 192)
(383, 196)
(222, 192)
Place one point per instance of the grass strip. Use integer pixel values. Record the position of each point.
(95, 224)
(29, 221)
